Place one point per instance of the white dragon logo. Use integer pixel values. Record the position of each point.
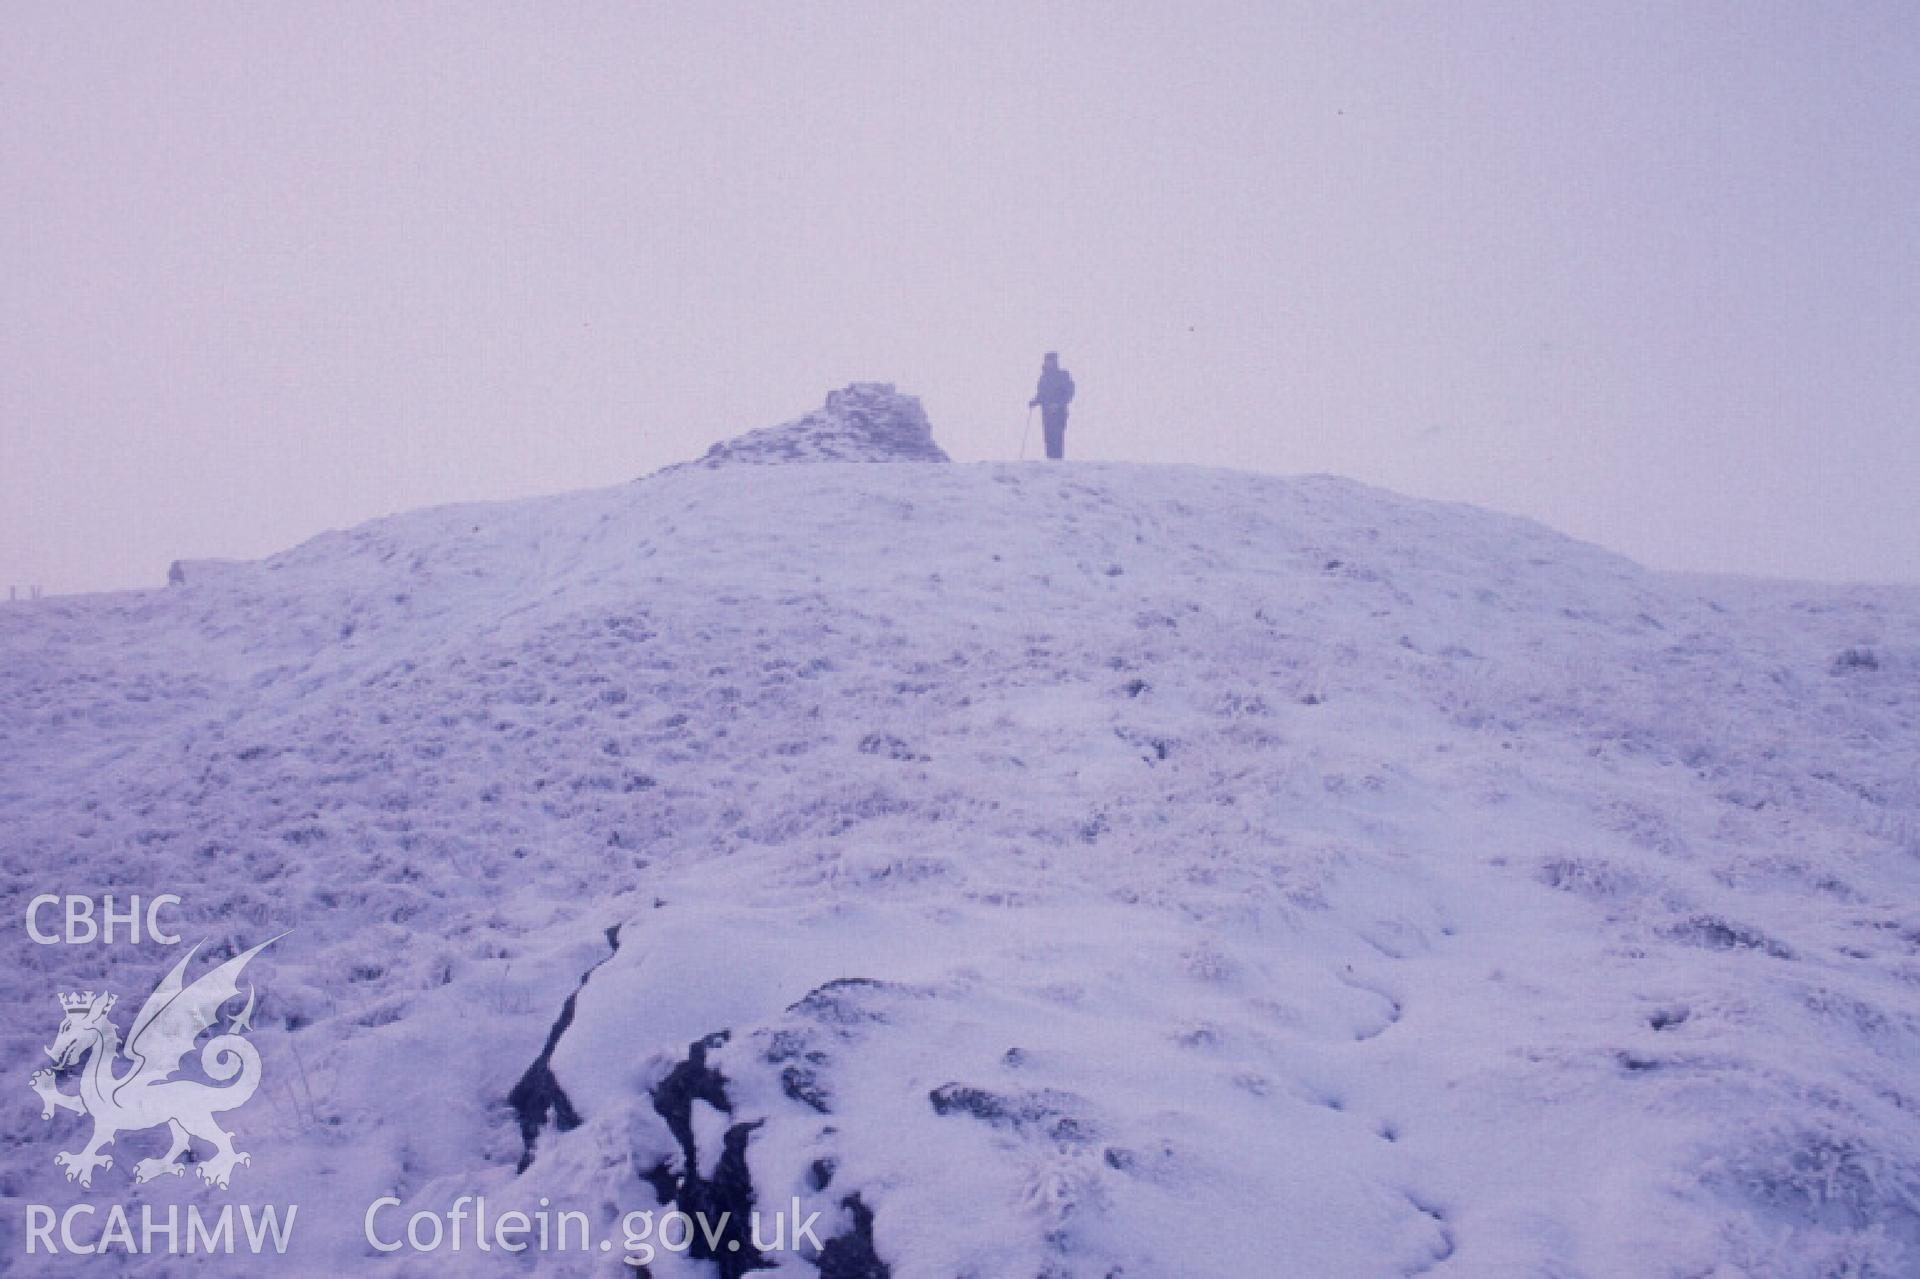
(169, 1024)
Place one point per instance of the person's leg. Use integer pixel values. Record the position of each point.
(1055, 425)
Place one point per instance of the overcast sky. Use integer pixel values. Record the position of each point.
(1648, 272)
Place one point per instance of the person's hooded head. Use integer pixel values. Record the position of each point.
(1052, 361)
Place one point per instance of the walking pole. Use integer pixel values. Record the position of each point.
(1024, 434)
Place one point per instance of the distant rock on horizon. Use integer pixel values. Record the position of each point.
(861, 422)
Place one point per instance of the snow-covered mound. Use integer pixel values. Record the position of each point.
(1066, 870)
(864, 422)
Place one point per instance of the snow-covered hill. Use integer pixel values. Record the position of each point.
(1077, 870)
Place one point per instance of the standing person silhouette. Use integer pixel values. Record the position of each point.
(1053, 395)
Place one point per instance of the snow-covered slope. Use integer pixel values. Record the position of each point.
(1073, 870)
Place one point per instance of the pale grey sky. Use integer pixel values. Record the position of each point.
(1649, 272)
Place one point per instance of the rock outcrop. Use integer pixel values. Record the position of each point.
(862, 422)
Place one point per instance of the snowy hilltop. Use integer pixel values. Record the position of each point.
(1073, 870)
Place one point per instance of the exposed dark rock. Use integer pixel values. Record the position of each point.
(723, 1202)
(1044, 1112)
(803, 1085)
(692, 1080)
(537, 1098)
(837, 1002)
(798, 1062)
(851, 1255)
(665, 1184)
(834, 1011)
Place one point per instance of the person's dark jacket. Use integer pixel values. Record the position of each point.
(1055, 390)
